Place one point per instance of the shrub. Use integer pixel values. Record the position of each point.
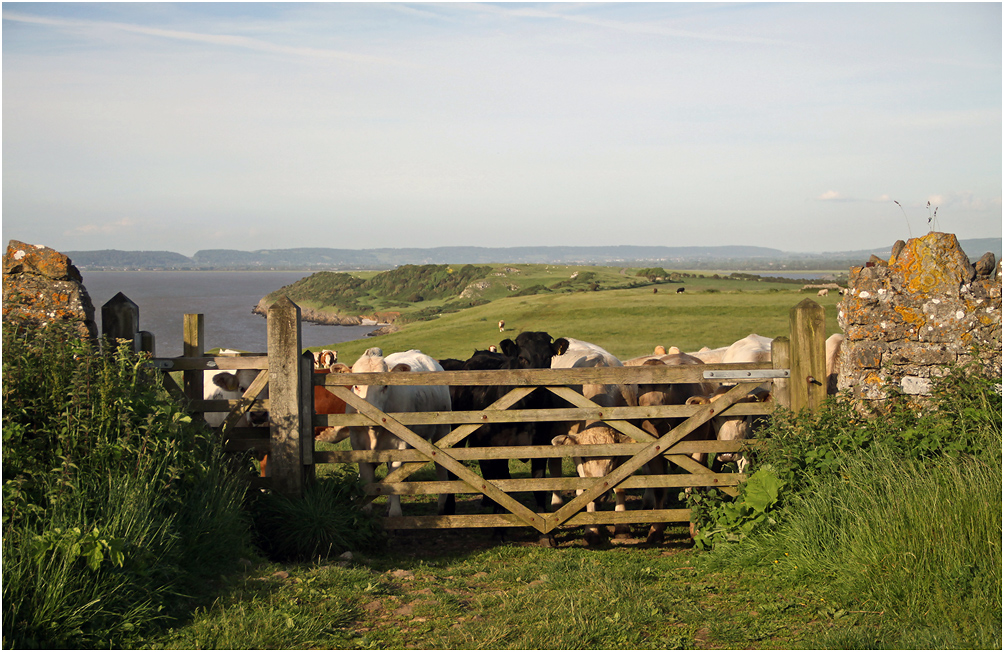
(114, 503)
(324, 522)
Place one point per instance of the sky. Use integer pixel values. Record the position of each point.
(189, 126)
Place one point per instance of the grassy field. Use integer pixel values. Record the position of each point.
(628, 323)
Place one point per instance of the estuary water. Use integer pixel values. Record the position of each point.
(225, 298)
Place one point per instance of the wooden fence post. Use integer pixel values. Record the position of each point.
(120, 321)
(286, 457)
(194, 347)
(807, 386)
(780, 356)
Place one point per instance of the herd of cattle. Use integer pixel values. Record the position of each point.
(529, 350)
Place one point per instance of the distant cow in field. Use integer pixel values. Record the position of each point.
(501, 325)
(396, 398)
(679, 290)
(822, 293)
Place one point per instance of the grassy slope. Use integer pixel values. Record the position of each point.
(626, 322)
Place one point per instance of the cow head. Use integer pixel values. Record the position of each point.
(533, 349)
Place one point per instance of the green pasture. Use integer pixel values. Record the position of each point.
(629, 322)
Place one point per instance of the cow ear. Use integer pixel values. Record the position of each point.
(560, 346)
(509, 348)
(400, 366)
(698, 400)
(621, 438)
(227, 381)
(340, 368)
(652, 362)
(563, 440)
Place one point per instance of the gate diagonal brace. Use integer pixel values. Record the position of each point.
(247, 399)
(615, 477)
(441, 457)
(460, 433)
(578, 400)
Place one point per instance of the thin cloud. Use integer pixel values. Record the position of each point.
(102, 229)
(222, 40)
(831, 195)
(622, 26)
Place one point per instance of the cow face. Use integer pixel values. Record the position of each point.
(533, 350)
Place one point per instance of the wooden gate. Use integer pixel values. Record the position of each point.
(794, 372)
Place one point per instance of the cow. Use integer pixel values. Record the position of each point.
(667, 394)
(325, 358)
(679, 290)
(752, 348)
(230, 386)
(709, 356)
(581, 355)
(732, 428)
(530, 350)
(396, 398)
(595, 467)
(327, 403)
(822, 293)
(501, 325)
(834, 343)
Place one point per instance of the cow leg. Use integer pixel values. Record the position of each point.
(493, 470)
(620, 530)
(594, 535)
(393, 500)
(554, 468)
(447, 502)
(656, 532)
(538, 469)
(367, 473)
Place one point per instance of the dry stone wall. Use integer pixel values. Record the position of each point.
(41, 286)
(906, 318)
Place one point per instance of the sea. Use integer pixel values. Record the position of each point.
(224, 298)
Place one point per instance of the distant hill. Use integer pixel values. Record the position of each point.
(724, 257)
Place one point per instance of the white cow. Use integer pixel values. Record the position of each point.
(396, 398)
(581, 355)
(822, 293)
(230, 386)
(732, 428)
(709, 356)
(834, 343)
(752, 348)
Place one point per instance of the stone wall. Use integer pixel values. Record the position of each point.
(926, 307)
(41, 286)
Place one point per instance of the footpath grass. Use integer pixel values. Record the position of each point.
(513, 597)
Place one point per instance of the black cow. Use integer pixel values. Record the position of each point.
(531, 350)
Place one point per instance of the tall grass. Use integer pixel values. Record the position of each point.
(115, 505)
(899, 517)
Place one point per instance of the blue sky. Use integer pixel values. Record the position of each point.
(259, 126)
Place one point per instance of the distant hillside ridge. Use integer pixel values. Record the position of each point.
(317, 258)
